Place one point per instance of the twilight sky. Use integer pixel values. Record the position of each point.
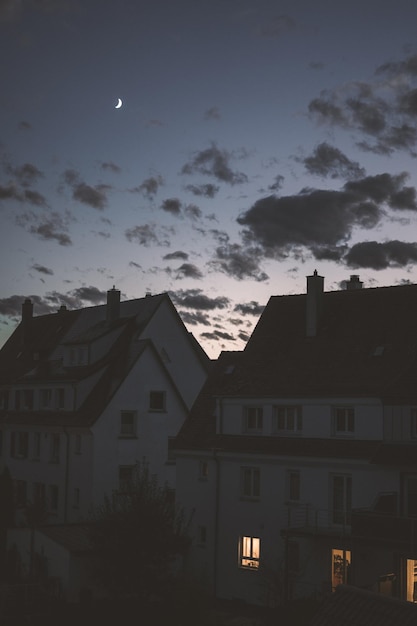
(258, 140)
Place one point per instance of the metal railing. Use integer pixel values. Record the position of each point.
(305, 518)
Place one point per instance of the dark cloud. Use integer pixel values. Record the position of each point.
(25, 125)
(212, 113)
(188, 270)
(276, 26)
(172, 205)
(148, 234)
(239, 262)
(35, 198)
(42, 269)
(218, 335)
(149, 187)
(316, 65)
(195, 318)
(249, 308)
(9, 192)
(50, 227)
(328, 161)
(196, 299)
(208, 191)
(134, 264)
(193, 211)
(214, 162)
(382, 112)
(279, 181)
(86, 194)
(25, 174)
(110, 167)
(315, 217)
(89, 294)
(178, 255)
(11, 307)
(380, 256)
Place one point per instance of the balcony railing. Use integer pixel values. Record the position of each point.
(305, 519)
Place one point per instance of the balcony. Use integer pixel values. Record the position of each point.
(307, 520)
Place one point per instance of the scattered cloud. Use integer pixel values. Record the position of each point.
(149, 234)
(212, 113)
(172, 205)
(178, 255)
(109, 166)
(208, 191)
(329, 162)
(239, 262)
(197, 299)
(42, 269)
(48, 227)
(380, 256)
(96, 196)
(188, 270)
(194, 318)
(193, 211)
(214, 162)
(249, 308)
(218, 335)
(150, 186)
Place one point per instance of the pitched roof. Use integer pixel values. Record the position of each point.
(350, 606)
(366, 346)
(73, 537)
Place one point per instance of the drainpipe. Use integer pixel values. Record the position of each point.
(67, 447)
(216, 521)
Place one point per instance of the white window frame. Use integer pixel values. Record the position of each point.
(250, 483)
(343, 421)
(249, 552)
(127, 429)
(253, 420)
(288, 419)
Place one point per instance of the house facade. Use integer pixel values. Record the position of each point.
(87, 394)
(299, 458)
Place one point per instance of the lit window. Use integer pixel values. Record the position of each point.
(250, 482)
(341, 560)
(253, 419)
(343, 420)
(128, 423)
(249, 551)
(287, 419)
(157, 400)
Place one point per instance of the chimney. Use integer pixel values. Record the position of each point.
(27, 314)
(113, 304)
(315, 288)
(354, 283)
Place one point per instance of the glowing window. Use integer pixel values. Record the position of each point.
(250, 548)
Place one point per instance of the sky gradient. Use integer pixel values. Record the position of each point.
(257, 141)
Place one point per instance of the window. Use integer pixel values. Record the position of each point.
(413, 422)
(19, 445)
(77, 443)
(287, 419)
(36, 442)
(53, 498)
(27, 401)
(127, 423)
(203, 470)
(17, 399)
(126, 475)
(343, 420)
(293, 485)
(46, 398)
(341, 560)
(20, 493)
(55, 445)
(341, 486)
(249, 551)
(60, 398)
(253, 419)
(411, 580)
(157, 400)
(39, 494)
(250, 482)
(4, 399)
(76, 498)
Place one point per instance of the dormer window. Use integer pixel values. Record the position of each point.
(343, 420)
(253, 420)
(45, 398)
(78, 355)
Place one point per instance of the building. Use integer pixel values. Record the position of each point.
(87, 394)
(299, 457)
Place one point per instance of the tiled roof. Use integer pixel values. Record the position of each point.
(350, 606)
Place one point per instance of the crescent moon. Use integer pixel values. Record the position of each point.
(119, 104)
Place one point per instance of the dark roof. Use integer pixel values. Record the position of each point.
(350, 606)
(73, 537)
(397, 454)
(366, 346)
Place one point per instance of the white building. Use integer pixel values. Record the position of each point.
(86, 394)
(299, 457)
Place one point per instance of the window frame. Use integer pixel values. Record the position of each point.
(281, 423)
(157, 407)
(55, 448)
(343, 421)
(126, 432)
(341, 516)
(256, 419)
(250, 482)
(249, 552)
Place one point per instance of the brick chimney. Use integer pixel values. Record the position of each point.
(354, 283)
(27, 315)
(113, 304)
(315, 288)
